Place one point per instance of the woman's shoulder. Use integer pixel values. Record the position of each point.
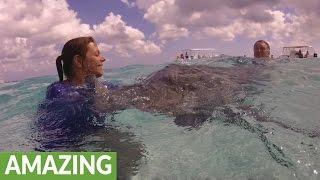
(111, 85)
(61, 89)
(56, 89)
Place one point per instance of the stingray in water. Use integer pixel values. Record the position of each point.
(181, 91)
(192, 94)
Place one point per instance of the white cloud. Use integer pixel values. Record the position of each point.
(145, 4)
(162, 14)
(172, 32)
(125, 40)
(128, 3)
(29, 36)
(32, 37)
(229, 19)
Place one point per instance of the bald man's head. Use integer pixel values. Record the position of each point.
(261, 49)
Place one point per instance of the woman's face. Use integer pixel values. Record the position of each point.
(94, 60)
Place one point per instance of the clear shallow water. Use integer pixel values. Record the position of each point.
(159, 148)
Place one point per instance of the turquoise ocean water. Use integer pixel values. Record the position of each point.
(158, 148)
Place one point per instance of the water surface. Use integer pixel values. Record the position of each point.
(282, 111)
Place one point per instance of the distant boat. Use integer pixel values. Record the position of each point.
(196, 53)
(293, 51)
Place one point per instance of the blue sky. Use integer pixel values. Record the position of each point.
(147, 31)
(94, 12)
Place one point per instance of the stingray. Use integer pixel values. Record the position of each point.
(180, 91)
(191, 94)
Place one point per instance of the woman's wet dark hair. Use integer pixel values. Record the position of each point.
(76, 46)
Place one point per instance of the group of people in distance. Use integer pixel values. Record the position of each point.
(300, 54)
(187, 56)
(261, 49)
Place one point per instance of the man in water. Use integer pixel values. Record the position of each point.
(261, 49)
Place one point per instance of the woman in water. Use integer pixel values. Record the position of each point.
(79, 59)
(67, 118)
(68, 107)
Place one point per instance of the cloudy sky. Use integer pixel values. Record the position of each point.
(147, 31)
